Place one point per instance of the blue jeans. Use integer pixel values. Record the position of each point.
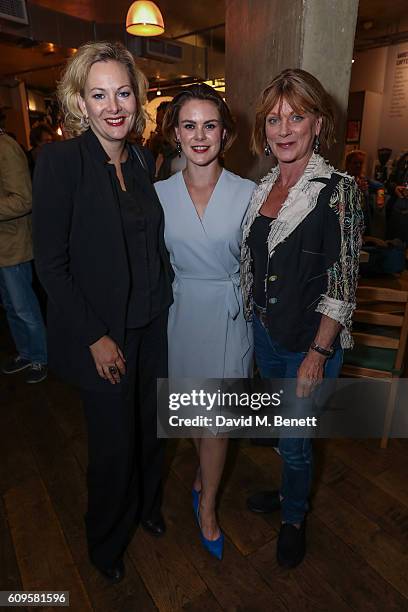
(23, 312)
(274, 361)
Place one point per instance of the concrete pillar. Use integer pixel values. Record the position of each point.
(264, 37)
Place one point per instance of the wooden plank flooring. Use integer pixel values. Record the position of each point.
(357, 530)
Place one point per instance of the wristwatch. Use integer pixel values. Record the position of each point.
(319, 349)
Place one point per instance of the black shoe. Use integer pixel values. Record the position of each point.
(113, 574)
(15, 364)
(291, 545)
(37, 373)
(156, 527)
(264, 502)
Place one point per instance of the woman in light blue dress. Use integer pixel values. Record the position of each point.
(204, 207)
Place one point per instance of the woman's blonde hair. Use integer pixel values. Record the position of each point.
(76, 73)
(304, 93)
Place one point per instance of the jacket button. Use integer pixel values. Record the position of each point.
(273, 278)
(273, 300)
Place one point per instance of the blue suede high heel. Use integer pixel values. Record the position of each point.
(214, 547)
(196, 502)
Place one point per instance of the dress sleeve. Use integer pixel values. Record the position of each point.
(339, 301)
(52, 215)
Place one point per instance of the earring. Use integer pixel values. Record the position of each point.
(178, 148)
(267, 149)
(316, 144)
(84, 123)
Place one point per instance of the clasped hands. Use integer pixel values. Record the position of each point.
(109, 359)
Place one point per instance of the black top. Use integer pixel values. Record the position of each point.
(257, 242)
(141, 221)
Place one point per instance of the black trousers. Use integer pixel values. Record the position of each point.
(125, 458)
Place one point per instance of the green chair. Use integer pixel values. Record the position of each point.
(380, 337)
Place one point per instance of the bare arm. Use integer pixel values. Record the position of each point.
(311, 371)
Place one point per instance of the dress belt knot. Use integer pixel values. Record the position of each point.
(233, 289)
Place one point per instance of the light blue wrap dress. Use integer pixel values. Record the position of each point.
(207, 332)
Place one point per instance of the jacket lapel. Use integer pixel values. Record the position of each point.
(302, 199)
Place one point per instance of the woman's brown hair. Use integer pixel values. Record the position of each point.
(304, 93)
(199, 91)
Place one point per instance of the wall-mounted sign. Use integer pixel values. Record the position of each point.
(394, 124)
(353, 131)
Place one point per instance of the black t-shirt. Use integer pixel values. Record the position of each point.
(258, 243)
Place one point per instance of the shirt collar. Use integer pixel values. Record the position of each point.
(316, 168)
(96, 149)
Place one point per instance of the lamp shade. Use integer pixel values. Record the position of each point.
(144, 19)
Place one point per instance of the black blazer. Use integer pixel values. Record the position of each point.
(80, 254)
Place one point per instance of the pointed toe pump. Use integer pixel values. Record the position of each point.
(214, 547)
(196, 501)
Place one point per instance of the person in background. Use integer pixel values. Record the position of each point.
(204, 208)
(299, 271)
(397, 207)
(100, 254)
(398, 181)
(156, 140)
(40, 135)
(3, 121)
(373, 191)
(167, 159)
(17, 294)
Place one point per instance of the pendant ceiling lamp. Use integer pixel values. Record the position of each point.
(144, 19)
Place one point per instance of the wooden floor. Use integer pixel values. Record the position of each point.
(357, 530)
